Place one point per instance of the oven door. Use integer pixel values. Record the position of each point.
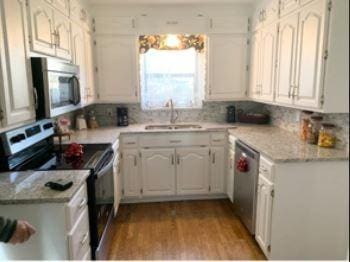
(104, 202)
(63, 93)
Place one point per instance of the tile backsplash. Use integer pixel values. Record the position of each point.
(289, 119)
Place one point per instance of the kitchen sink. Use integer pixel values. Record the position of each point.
(172, 127)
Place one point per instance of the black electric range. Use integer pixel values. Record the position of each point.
(32, 148)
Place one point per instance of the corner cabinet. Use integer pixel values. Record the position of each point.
(117, 69)
(16, 94)
(227, 67)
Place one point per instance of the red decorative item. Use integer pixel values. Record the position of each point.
(74, 151)
(242, 164)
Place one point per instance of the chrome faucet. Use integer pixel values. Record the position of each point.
(173, 118)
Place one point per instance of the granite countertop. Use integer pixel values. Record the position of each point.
(284, 146)
(29, 187)
(106, 135)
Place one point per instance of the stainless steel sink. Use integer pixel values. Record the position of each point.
(172, 127)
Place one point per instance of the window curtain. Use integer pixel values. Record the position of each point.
(182, 42)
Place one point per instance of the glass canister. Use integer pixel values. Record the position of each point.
(313, 130)
(327, 136)
(304, 124)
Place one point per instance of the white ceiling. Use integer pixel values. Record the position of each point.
(172, 2)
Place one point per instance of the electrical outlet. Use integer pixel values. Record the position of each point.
(109, 112)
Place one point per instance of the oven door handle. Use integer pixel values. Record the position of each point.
(107, 167)
(76, 90)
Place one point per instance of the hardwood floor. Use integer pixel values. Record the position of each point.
(186, 230)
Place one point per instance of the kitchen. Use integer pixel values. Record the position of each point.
(175, 130)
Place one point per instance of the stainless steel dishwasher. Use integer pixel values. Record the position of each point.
(245, 186)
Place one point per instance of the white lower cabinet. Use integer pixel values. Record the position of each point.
(217, 169)
(264, 214)
(158, 172)
(230, 172)
(131, 180)
(192, 170)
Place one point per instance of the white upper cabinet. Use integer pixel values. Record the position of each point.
(115, 25)
(255, 65)
(90, 69)
(287, 48)
(217, 170)
(227, 67)
(63, 37)
(79, 14)
(268, 62)
(62, 5)
(192, 170)
(117, 69)
(15, 76)
(228, 25)
(43, 37)
(310, 55)
(131, 181)
(158, 172)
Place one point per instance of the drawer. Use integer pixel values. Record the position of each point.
(129, 141)
(173, 140)
(76, 206)
(218, 139)
(266, 168)
(79, 237)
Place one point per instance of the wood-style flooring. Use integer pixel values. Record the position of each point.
(185, 230)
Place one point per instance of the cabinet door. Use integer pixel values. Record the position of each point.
(288, 6)
(131, 178)
(287, 48)
(158, 172)
(42, 27)
(255, 66)
(310, 55)
(117, 73)
(217, 169)
(227, 67)
(264, 215)
(79, 58)
(117, 183)
(192, 170)
(230, 174)
(17, 93)
(63, 37)
(268, 62)
(90, 68)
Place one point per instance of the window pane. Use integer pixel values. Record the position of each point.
(170, 75)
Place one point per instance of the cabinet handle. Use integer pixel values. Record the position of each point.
(178, 159)
(85, 237)
(211, 23)
(58, 39)
(172, 22)
(135, 161)
(214, 160)
(172, 159)
(130, 143)
(217, 140)
(290, 91)
(1, 114)
(175, 141)
(54, 38)
(231, 163)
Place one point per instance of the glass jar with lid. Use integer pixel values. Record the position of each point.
(313, 130)
(327, 136)
(304, 123)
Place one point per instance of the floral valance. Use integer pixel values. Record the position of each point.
(171, 42)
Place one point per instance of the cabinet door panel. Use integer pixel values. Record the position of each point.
(158, 172)
(264, 214)
(227, 62)
(287, 47)
(255, 66)
(42, 27)
(268, 62)
(217, 170)
(131, 179)
(192, 171)
(117, 74)
(230, 174)
(310, 59)
(63, 42)
(18, 96)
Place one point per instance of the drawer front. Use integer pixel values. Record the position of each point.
(129, 142)
(218, 139)
(173, 140)
(76, 206)
(79, 237)
(266, 168)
